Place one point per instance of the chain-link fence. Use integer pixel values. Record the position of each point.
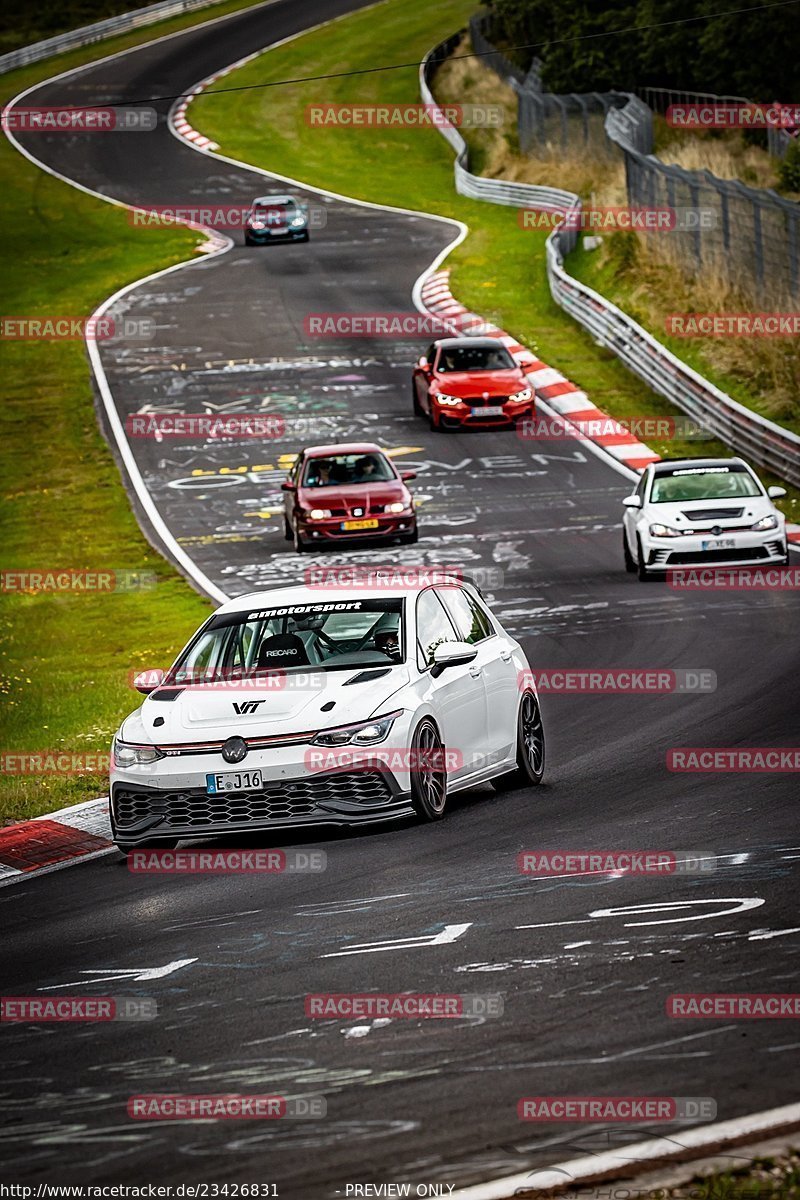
(746, 238)
(548, 123)
(493, 58)
(660, 99)
(767, 443)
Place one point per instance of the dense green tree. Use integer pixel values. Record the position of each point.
(584, 49)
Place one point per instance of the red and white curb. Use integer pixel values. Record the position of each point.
(56, 840)
(564, 397)
(177, 116)
(178, 119)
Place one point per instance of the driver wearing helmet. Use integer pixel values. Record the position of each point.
(387, 641)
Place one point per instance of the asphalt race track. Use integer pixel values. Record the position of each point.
(583, 969)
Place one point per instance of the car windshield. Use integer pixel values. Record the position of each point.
(346, 469)
(703, 483)
(275, 208)
(321, 636)
(475, 358)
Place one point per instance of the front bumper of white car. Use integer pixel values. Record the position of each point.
(733, 548)
(169, 799)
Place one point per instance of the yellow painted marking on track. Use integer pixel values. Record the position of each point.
(244, 470)
(265, 513)
(286, 460)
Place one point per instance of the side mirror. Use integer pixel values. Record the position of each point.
(286, 486)
(451, 654)
(525, 363)
(632, 502)
(775, 493)
(406, 475)
(149, 681)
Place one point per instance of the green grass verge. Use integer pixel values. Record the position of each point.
(21, 27)
(66, 658)
(16, 81)
(499, 271)
(617, 273)
(776, 1178)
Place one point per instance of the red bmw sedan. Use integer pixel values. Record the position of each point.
(471, 382)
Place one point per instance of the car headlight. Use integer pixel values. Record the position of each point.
(397, 507)
(319, 514)
(667, 531)
(257, 224)
(368, 733)
(298, 221)
(525, 394)
(441, 398)
(129, 754)
(770, 521)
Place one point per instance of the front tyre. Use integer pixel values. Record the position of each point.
(630, 565)
(428, 773)
(530, 748)
(299, 544)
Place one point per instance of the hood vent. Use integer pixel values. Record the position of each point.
(712, 514)
(365, 676)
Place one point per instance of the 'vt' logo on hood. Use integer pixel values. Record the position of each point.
(247, 706)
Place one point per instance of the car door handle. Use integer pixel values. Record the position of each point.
(506, 655)
(475, 672)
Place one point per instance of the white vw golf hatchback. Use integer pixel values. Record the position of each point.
(301, 707)
(700, 511)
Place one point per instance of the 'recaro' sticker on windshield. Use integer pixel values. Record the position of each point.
(303, 609)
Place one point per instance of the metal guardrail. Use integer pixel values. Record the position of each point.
(770, 445)
(749, 237)
(754, 233)
(98, 32)
(750, 434)
(476, 187)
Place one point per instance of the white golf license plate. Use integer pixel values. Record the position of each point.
(719, 544)
(492, 410)
(234, 781)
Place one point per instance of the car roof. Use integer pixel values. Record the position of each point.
(302, 594)
(669, 464)
(275, 199)
(343, 448)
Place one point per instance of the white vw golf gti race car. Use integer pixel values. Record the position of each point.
(303, 706)
(701, 511)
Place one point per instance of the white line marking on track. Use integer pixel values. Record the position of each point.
(138, 974)
(450, 933)
(742, 904)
